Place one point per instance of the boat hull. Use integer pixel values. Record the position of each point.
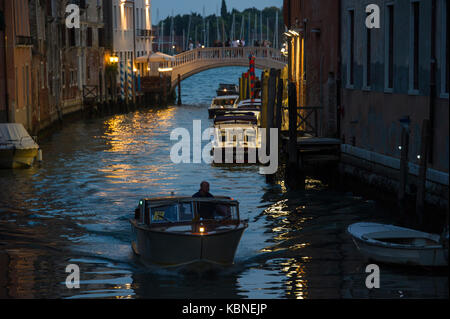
(434, 255)
(183, 249)
(246, 155)
(18, 158)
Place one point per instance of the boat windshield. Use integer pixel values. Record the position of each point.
(216, 211)
(181, 212)
(184, 212)
(224, 102)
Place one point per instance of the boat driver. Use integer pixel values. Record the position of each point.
(204, 191)
(206, 210)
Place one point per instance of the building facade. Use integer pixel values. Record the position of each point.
(314, 61)
(130, 29)
(16, 65)
(396, 72)
(49, 66)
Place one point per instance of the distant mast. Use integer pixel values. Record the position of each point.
(188, 37)
(275, 33)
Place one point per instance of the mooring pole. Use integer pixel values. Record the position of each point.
(421, 187)
(403, 168)
(179, 89)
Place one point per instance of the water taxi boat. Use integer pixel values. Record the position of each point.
(237, 138)
(186, 231)
(398, 245)
(221, 104)
(17, 147)
(227, 89)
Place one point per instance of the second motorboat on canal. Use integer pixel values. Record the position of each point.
(197, 233)
(237, 139)
(222, 104)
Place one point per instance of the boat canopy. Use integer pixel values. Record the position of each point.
(15, 136)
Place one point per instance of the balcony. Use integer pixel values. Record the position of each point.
(144, 33)
(22, 40)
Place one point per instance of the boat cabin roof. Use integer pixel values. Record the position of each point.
(227, 97)
(237, 118)
(158, 201)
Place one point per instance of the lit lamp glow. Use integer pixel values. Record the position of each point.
(201, 229)
(113, 59)
(162, 70)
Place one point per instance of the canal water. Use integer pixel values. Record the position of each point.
(74, 209)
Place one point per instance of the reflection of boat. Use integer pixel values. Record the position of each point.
(17, 148)
(236, 138)
(398, 245)
(181, 231)
(222, 104)
(227, 89)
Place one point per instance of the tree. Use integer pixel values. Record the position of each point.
(224, 11)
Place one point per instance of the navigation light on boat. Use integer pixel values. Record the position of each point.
(201, 229)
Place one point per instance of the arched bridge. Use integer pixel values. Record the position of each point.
(195, 61)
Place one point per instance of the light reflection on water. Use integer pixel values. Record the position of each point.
(75, 209)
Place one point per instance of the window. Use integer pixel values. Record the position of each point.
(42, 70)
(164, 214)
(351, 47)
(444, 49)
(115, 17)
(72, 41)
(137, 18)
(89, 37)
(2, 21)
(368, 57)
(17, 87)
(414, 47)
(389, 45)
(186, 212)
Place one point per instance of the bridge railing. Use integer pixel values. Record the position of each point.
(227, 54)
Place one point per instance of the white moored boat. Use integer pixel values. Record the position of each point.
(398, 245)
(237, 138)
(17, 147)
(186, 231)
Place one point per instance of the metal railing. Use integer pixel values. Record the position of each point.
(308, 120)
(227, 54)
(22, 40)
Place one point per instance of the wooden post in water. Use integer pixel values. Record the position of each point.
(421, 187)
(179, 90)
(295, 176)
(271, 96)
(403, 168)
(279, 106)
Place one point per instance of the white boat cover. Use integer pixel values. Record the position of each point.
(14, 135)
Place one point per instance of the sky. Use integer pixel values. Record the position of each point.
(211, 6)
